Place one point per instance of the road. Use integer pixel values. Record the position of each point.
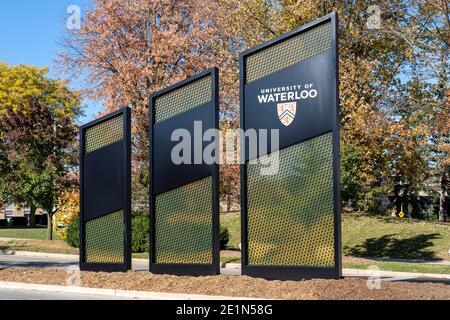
(13, 261)
(19, 294)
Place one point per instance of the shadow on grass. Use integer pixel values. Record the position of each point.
(417, 247)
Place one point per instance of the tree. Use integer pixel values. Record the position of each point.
(68, 204)
(18, 86)
(443, 131)
(372, 66)
(130, 49)
(37, 155)
(434, 46)
(229, 168)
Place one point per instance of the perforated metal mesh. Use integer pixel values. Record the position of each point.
(104, 134)
(104, 239)
(183, 99)
(288, 52)
(183, 226)
(290, 213)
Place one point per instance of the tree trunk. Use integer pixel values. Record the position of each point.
(443, 198)
(406, 202)
(396, 201)
(32, 216)
(49, 226)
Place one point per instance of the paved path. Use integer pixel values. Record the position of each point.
(12, 239)
(17, 261)
(419, 261)
(21, 294)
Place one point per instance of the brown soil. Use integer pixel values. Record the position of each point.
(237, 286)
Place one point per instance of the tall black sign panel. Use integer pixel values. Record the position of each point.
(105, 193)
(291, 214)
(184, 195)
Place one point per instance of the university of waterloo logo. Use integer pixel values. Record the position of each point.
(286, 112)
(285, 99)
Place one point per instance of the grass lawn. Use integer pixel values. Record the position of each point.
(233, 223)
(25, 233)
(367, 236)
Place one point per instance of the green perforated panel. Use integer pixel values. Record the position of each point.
(290, 213)
(183, 98)
(104, 134)
(105, 239)
(288, 52)
(184, 224)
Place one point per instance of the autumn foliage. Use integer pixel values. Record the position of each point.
(394, 117)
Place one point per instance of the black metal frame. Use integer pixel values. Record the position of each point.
(295, 272)
(109, 267)
(186, 269)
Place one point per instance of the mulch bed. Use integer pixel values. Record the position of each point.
(236, 286)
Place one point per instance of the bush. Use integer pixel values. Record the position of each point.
(224, 237)
(73, 233)
(139, 232)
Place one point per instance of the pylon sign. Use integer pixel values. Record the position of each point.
(184, 194)
(291, 213)
(105, 193)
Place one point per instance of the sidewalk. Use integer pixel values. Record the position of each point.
(147, 295)
(392, 275)
(419, 261)
(13, 239)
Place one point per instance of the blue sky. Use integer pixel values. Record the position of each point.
(29, 34)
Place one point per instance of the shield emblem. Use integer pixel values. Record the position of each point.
(286, 112)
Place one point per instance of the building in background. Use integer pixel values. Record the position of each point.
(18, 215)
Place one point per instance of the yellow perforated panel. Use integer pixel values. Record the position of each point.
(104, 134)
(288, 52)
(104, 239)
(183, 99)
(290, 213)
(184, 224)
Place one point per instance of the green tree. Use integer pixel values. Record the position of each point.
(23, 87)
(36, 156)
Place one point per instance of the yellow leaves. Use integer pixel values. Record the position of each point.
(69, 207)
(18, 84)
